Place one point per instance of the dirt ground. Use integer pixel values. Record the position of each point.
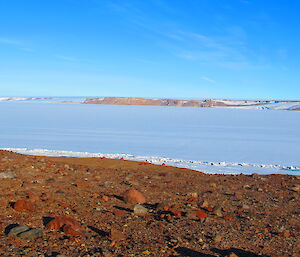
(77, 207)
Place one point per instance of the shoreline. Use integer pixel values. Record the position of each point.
(208, 167)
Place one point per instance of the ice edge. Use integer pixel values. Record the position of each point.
(204, 166)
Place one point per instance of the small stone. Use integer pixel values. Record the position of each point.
(204, 204)
(295, 188)
(194, 194)
(30, 234)
(70, 230)
(218, 212)
(214, 185)
(133, 196)
(218, 238)
(192, 199)
(7, 174)
(68, 225)
(116, 235)
(105, 198)
(228, 218)
(119, 213)
(24, 206)
(140, 210)
(163, 207)
(232, 255)
(17, 230)
(200, 214)
(191, 215)
(245, 206)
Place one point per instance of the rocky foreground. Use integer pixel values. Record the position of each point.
(102, 207)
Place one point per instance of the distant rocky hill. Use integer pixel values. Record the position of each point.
(173, 102)
(142, 101)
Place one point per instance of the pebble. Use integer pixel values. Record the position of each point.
(7, 174)
(200, 214)
(30, 234)
(140, 210)
(134, 197)
(17, 230)
(24, 206)
(117, 235)
(218, 211)
(69, 225)
(295, 188)
(245, 206)
(25, 232)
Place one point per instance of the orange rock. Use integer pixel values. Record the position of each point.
(71, 231)
(200, 214)
(192, 199)
(105, 198)
(228, 218)
(119, 213)
(176, 213)
(208, 208)
(24, 206)
(82, 184)
(116, 235)
(67, 224)
(133, 196)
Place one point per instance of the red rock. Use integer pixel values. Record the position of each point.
(116, 235)
(122, 159)
(163, 164)
(176, 213)
(201, 214)
(82, 184)
(133, 196)
(103, 157)
(105, 198)
(228, 218)
(192, 199)
(24, 206)
(69, 230)
(119, 213)
(67, 224)
(208, 208)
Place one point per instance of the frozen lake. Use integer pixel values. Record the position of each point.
(200, 134)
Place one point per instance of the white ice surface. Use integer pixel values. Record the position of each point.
(272, 106)
(209, 139)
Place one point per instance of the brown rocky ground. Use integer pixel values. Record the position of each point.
(186, 213)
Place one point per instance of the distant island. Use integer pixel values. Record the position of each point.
(290, 105)
(256, 104)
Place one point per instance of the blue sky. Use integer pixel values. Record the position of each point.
(150, 48)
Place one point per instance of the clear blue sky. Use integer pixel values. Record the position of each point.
(151, 48)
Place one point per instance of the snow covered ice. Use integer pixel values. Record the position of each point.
(214, 140)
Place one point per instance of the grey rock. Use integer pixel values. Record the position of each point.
(218, 211)
(30, 234)
(140, 210)
(17, 230)
(7, 174)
